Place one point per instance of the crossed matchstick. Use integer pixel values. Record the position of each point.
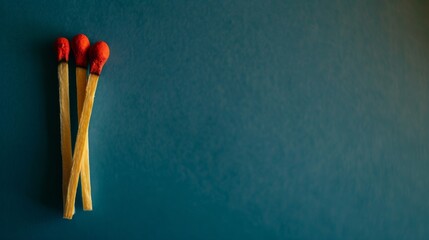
(79, 163)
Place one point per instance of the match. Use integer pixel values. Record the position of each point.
(98, 54)
(80, 46)
(63, 49)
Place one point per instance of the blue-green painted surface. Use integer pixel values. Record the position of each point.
(223, 120)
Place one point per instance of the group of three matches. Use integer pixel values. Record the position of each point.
(78, 163)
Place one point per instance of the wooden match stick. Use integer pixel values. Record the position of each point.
(80, 46)
(63, 49)
(98, 55)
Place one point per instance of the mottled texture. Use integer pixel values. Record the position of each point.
(224, 119)
(98, 55)
(62, 48)
(80, 46)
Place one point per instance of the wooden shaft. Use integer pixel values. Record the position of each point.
(80, 144)
(85, 179)
(66, 148)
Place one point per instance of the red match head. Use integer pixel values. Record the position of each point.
(98, 55)
(62, 47)
(80, 47)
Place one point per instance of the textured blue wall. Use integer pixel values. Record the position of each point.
(224, 120)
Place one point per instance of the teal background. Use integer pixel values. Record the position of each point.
(223, 120)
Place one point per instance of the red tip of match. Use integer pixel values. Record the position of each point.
(80, 47)
(98, 55)
(63, 49)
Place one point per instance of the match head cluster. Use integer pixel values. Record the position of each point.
(97, 54)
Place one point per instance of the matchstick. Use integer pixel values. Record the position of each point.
(63, 49)
(98, 54)
(80, 46)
